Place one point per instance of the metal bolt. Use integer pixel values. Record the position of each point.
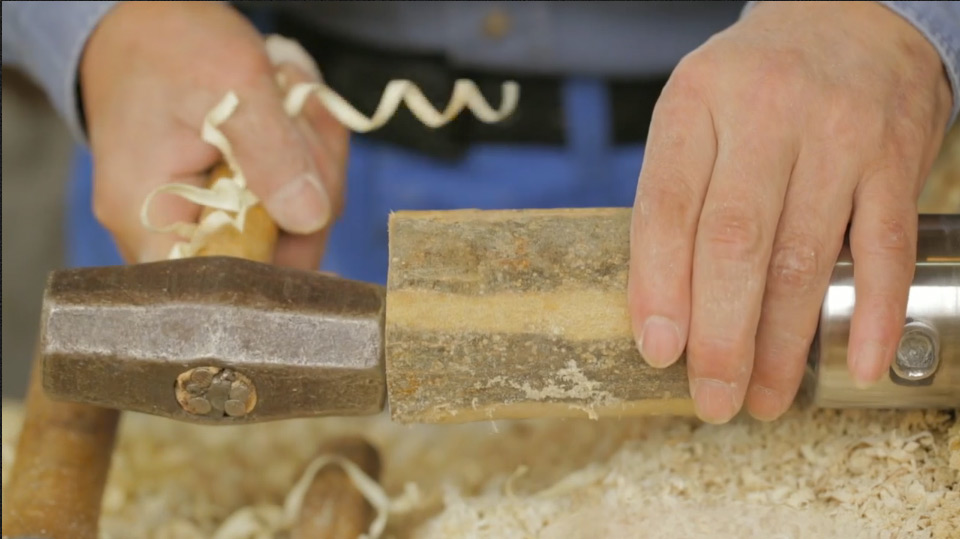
(201, 377)
(235, 408)
(239, 392)
(198, 405)
(918, 354)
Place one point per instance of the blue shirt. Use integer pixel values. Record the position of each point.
(569, 38)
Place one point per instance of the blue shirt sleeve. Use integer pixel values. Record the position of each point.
(940, 23)
(46, 40)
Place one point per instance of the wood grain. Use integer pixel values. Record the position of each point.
(516, 314)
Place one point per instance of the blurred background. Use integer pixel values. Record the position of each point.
(36, 154)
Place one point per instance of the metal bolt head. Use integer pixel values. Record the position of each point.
(198, 405)
(235, 408)
(239, 391)
(202, 377)
(918, 354)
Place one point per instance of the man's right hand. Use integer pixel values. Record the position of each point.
(150, 73)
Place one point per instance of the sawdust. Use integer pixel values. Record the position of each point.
(955, 446)
(814, 473)
(570, 383)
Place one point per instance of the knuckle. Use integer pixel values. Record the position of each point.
(669, 195)
(688, 81)
(889, 237)
(796, 264)
(276, 129)
(733, 234)
(773, 81)
(690, 72)
(248, 68)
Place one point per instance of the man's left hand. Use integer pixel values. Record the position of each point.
(766, 143)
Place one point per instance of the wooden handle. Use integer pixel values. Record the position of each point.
(256, 241)
(333, 507)
(63, 455)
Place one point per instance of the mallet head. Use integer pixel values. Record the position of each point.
(216, 340)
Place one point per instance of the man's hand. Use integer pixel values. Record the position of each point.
(767, 141)
(150, 73)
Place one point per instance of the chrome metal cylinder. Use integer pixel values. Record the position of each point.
(926, 369)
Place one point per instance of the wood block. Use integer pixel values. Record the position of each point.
(516, 314)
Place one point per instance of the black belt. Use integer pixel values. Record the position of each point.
(360, 72)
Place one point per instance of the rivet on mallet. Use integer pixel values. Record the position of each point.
(198, 405)
(213, 391)
(235, 408)
(201, 377)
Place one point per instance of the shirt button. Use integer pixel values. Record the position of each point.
(497, 24)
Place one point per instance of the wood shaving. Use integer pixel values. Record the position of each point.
(230, 196)
(273, 520)
(815, 473)
(570, 383)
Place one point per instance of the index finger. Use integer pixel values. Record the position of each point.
(681, 149)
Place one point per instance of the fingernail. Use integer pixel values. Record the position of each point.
(713, 400)
(301, 206)
(659, 342)
(866, 366)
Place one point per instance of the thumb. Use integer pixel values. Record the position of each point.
(275, 158)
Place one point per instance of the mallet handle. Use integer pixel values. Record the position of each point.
(257, 240)
(63, 456)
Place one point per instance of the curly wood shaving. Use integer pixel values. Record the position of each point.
(465, 95)
(230, 195)
(271, 520)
